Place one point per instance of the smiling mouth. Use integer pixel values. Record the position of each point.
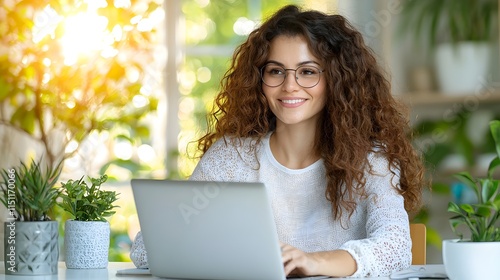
(292, 101)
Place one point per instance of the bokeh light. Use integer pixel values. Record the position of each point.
(186, 108)
(123, 150)
(243, 26)
(203, 74)
(187, 80)
(146, 153)
(84, 33)
(140, 101)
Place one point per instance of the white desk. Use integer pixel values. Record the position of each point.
(113, 267)
(79, 274)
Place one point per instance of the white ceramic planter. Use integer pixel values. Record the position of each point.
(471, 260)
(463, 69)
(86, 244)
(31, 248)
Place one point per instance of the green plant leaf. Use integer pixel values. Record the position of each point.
(495, 132)
(480, 218)
(467, 179)
(467, 208)
(32, 189)
(483, 211)
(86, 202)
(454, 208)
(493, 165)
(488, 189)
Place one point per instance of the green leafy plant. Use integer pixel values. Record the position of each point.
(88, 203)
(449, 20)
(481, 218)
(28, 192)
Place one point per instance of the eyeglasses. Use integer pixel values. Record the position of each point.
(306, 76)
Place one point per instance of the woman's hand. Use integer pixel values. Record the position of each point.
(337, 263)
(297, 262)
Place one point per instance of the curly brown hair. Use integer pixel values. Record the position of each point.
(360, 116)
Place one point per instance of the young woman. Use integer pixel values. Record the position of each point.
(306, 109)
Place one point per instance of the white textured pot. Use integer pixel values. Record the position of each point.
(471, 260)
(463, 69)
(86, 244)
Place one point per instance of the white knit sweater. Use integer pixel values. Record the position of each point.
(376, 235)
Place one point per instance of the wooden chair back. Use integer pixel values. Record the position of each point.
(419, 246)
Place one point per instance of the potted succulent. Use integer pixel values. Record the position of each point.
(31, 237)
(87, 233)
(476, 256)
(460, 33)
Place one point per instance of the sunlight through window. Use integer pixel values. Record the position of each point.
(45, 23)
(84, 33)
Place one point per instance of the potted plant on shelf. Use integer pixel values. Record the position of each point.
(476, 256)
(86, 235)
(31, 237)
(460, 33)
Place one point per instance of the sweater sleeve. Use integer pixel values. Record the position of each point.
(387, 247)
(138, 253)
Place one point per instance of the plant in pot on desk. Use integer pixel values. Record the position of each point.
(87, 234)
(477, 256)
(462, 35)
(31, 237)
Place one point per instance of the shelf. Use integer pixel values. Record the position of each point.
(447, 176)
(414, 99)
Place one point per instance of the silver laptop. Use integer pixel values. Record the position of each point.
(208, 230)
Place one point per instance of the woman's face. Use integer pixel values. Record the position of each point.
(290, 102)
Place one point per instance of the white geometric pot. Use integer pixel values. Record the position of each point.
(471, 260)
(86, 244)
(463, 68)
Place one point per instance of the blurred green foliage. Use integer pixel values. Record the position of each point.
(452, 21)
(57, 99)
(58, 89)
(439, 138)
